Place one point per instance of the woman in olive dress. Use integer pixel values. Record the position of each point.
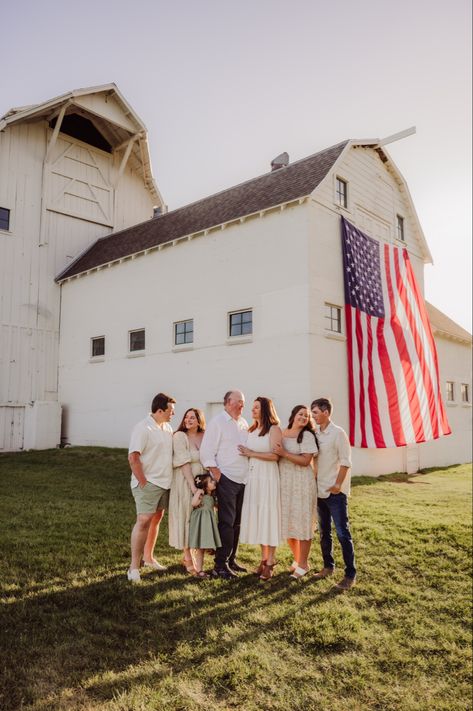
(186, 462)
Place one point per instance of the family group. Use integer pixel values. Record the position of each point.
(229, 483)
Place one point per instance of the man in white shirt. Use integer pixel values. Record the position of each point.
(219, 454)
(333, 489)
(150, 457)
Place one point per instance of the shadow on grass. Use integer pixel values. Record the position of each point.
(60, 640)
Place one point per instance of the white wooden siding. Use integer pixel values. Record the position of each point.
(11, 428)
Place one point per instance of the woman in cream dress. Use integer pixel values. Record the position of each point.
(298, 488)
(186, 462)
(261, 511)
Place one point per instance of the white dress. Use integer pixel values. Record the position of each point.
(298, 491)
(261, 511)
(180, 496)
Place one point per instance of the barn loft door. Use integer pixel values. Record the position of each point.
(79, 182)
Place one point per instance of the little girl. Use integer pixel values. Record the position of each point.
(203, 530)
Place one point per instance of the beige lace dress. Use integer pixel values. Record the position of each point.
(298, 491)
(180, 497)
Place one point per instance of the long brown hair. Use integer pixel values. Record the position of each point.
(309, 426)
(200, 420)
(269, 416)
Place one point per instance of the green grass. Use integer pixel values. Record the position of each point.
(76, 635)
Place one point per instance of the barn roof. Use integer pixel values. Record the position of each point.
(443, 325)
(281, 186)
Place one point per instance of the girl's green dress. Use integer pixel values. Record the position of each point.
(203, 529)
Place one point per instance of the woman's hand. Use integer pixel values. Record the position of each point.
(244, 451)
(279, 449)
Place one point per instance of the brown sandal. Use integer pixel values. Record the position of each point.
(260, 568)
(267, 571)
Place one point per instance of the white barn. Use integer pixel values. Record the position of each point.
(72, 169)
(241, 289)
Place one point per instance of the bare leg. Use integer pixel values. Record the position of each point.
(270, 554)
(187, 557)
(198, 559)
(304, 548)
(293, 544)
(152, 536)
(138, 539)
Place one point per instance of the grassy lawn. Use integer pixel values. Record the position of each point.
(76, 635)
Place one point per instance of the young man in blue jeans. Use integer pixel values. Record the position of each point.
(333, 489)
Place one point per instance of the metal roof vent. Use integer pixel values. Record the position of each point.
(281, 161)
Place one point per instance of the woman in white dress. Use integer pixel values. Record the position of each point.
(186, 462)
(298, 488)
(261, 511)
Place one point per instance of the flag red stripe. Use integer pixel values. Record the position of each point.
(428, 386)
(414, 405)
(391, 388)
(428, 331)
(373, 398)
(359, 341)
(351, 391)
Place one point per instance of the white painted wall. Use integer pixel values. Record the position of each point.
(455, 365)
(260, 264)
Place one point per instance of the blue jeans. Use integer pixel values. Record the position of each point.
(336, 507)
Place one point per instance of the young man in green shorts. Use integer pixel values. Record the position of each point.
(150, 457)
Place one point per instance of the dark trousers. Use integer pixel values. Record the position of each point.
(336, 507)
(230, 501)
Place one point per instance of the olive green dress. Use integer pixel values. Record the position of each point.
(203, 529)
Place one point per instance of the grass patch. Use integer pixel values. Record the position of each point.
(75, 635)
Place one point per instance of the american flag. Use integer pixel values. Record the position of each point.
(394, 386)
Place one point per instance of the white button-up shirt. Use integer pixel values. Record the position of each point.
(334, 452)
(154, 444)
(219, 447)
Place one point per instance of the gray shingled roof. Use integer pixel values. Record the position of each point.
(295, 181)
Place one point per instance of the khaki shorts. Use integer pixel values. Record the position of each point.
(150, 498)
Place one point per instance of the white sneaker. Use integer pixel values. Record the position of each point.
(155, 565)
(134, 575)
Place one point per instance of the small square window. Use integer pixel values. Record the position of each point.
(4, 218)
(183, 332)
(137, 340)
(240, 323)
(400, 228)
(333, 318)
(97, 346)
(450, 391)
(341, 192)
(465, 391)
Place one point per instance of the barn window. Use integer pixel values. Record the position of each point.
(465, 391)
(333, 318)
(400, 228)
(137, 340)
(341, 192)
(83, 129)
(183, 332)
(4, 218)
(240, 323)
(450, 391)
(97, 346)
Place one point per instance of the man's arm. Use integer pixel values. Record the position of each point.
(137, 467)
(344, 459)
(209, 448)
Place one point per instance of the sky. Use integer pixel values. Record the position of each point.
(223, 87)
